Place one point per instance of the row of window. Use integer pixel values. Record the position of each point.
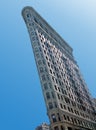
(78, 122)
(61, 97)
(70, 109)
(57, 41)
(56, 117)
(74, 111)
(52, 105)
(50, 95)
(81, 108)
(47, 85)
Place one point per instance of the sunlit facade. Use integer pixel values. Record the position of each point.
(68, 101)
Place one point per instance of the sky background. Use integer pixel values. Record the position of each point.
(22, 105)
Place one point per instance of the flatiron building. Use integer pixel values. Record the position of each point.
(68, 101)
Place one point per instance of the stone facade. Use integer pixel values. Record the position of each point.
(68, 101)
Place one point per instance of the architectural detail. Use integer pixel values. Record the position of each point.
(43, 126)
(68, 101)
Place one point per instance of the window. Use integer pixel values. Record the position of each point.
(64, 107)
(46, 58)
(43, 62)
(47, 77)
(43, 77)
(62, 97)
(50, 71)
(68, 118)
(37, 55)
(73, 103)
(50, 105)
(64, 117)
(48, 95)
(36, 49)
(68, 109)
(72, 120)
(52, 94)
(28, 15)
(55, 104)
(55, 87)
(41, 69)
(75, 121)
(58, 96)
(58, 117)
(35, 20)
(62, 90)
(59, 89)
(50, 85)
(48, 64)
(39, 62)
(45, 86)
(72, 110)
(53, 117)
(61, 105)
(67, 100)
(44, 51)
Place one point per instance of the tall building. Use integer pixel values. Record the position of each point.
(68, 101)
(43, 126)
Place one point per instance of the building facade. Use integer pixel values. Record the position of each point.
(68, 101)
(43, 126)
(94, 102)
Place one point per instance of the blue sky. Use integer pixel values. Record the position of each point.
(22, 105)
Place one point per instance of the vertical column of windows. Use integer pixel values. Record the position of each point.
(46, 47)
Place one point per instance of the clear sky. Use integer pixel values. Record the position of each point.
(22, 105)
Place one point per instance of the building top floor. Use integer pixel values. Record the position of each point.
(29, 12)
